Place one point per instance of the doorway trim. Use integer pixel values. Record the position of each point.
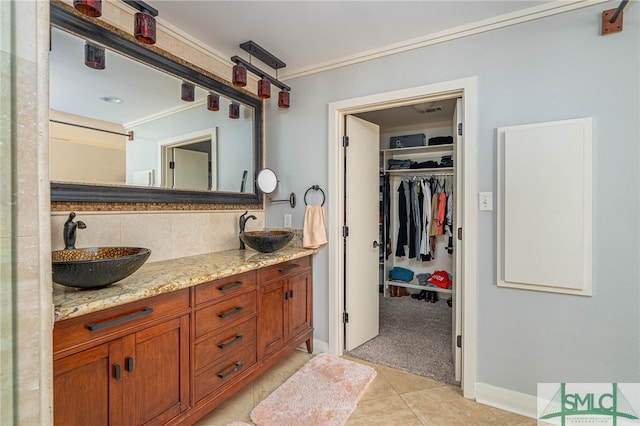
(336, 129)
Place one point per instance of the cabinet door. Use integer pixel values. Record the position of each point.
(87, 388)
(299, 310)
(156, 362)
(272, 331)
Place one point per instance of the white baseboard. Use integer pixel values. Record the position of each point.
(318, 347)
(508, 400)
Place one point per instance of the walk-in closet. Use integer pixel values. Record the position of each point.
(418, 231)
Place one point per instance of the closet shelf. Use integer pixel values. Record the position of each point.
(420, 171)
(433, 149)
(417, 286)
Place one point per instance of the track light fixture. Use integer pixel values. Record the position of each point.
(234, 110)
(239, 75)
(213, 102)
(187, 91)
(144, 22)
(264, 88)
(94, 56)
(265, 82)
(91, 8)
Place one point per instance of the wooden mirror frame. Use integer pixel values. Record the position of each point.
(68, 20)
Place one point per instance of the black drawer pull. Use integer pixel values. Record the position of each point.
(235, 368)
(230, 286)
(230, 342)
(94, 327)
(288, 268)
(129, 364)
(231, 312)
(116, 371)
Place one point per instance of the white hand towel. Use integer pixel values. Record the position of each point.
(313, 230)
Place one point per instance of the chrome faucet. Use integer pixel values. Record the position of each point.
(243, 222)
(69, 234)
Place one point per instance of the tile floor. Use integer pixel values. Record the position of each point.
(394, 398)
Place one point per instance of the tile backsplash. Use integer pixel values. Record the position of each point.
(169, 234)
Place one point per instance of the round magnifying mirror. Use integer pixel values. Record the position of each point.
(267, 181)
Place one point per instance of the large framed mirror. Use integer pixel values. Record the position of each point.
(124, 134)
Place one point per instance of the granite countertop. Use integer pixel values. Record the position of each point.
(166, 276)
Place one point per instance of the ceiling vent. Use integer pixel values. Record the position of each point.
(427, 109)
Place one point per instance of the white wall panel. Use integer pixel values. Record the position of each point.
(544, 206)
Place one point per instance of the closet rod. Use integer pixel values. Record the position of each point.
(417, 175)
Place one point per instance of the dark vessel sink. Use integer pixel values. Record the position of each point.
(266, 241)
(96, 267)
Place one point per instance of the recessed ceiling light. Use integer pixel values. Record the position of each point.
(112, 99)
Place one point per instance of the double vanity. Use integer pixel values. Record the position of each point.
(174, 340)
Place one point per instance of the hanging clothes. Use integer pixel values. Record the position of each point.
(402, 222)
(386, 208)
(425, 248)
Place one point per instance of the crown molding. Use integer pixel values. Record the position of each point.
(478, 27)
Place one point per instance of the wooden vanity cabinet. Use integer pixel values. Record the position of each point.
(127, 365)
(172, 358)
(224, 333)
(285, 305)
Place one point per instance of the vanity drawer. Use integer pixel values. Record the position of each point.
(284, 269)
(211, 349)
(224, 312)
(111, 322)
(225, 286)
(224, 371)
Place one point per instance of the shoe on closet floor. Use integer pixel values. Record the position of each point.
(434, 297)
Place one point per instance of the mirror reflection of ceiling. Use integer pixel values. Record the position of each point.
(77, 89)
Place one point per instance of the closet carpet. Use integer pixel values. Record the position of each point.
(415, 336)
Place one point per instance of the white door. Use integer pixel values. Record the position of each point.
(361, 217)
(456, 320)
(191, 169)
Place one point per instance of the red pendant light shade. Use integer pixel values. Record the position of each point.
(264, 88)
(239, 76)
(188, 92)
(213, 102)
(94, 56)
(234, 110)
(144, 28)
(91, 8)
(283, 99)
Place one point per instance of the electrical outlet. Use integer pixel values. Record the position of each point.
(486, 201)
(287, 221)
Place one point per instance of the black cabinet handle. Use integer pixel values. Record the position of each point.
(235, 368)
(230, 286)
(290, 294)
(288, 268)
(129, 364)
(230, 342)
(116, 371)
(94, 326)
(231, 312)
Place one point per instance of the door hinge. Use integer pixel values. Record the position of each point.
(459, 341)
(459, 129)
(345, 231)
(345, 141)
(172, 164)
(345, 317)
(460, 234)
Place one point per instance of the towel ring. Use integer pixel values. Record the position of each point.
(315, 188)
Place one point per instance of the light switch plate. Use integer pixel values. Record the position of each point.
(486, 201)
(287, 221)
